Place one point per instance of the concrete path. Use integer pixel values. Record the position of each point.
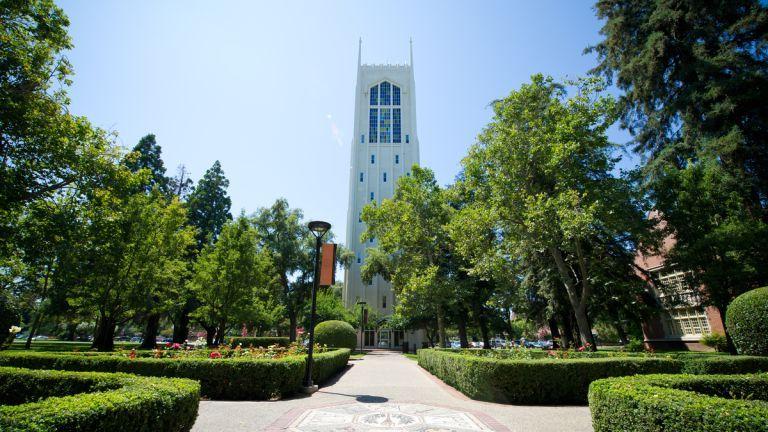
(385, 391)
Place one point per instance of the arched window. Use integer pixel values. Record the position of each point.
(384, 123)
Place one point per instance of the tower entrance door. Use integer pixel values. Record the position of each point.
(384, 340)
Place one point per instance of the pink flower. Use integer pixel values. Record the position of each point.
(168, 344)
(132, 355)
(581, 348)
(215, 355)
(176, 346)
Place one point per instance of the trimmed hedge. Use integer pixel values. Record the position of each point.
(259, 342)
(45, 400)
(747, 322)
(541, 381)
(683, 403)
(336, 334)
(725, 365)
(228, 379)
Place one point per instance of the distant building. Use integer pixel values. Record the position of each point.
(682, 320)
(385, 147)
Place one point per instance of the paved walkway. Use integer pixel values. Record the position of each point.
(385, 391)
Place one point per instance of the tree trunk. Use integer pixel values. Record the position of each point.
(105, 337)
(585, 330)
(731, 347)
(441, 336)
(220, 333)
(33, 329)
(181, 326)
(210, 333)
(567, 335)
(554, 331)
(578, 300)
(461, 323)
(292, 328)
(482, 323)
(150, 331)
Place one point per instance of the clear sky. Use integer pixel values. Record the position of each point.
(267, 88)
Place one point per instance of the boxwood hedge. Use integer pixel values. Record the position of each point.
(230, 379)
(258, 342)
(747, 322)
(540, 381)
(45, 400)
(683, 403)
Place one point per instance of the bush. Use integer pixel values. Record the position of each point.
(716, 341)
(9, 316)
(336, 334)
(45, 400)
(747, 322)
(258, 342)
(724, 364)
(230, 379)
(673, 403)
(541, 381)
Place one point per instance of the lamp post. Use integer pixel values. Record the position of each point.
(318, 228)
(362, 304)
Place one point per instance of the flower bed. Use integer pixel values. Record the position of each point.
(533, 381)
(45, 400)
(258, 342)
(683, 403)
(237, 378)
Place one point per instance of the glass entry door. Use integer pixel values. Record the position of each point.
(384, 338)
(370, 338)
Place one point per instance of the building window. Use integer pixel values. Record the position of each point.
(686, 321)
(362, 139)
(371, 196)
(384, 301)
(384, 96)
(385, 126)
(385, 177)
(407, 138)
(397, 159)
(395, 125)
(375, 95)
(373, 158)
(373, 125)
(360, 217)
(395, 95)
(370, 240)
(361, 177)
(358, 260)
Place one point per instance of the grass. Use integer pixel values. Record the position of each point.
(357, 355)
(413, 357)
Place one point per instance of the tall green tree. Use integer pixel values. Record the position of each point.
(544, 167)
(147, 155)
(209, 205)
(228, 276)
(695, 77)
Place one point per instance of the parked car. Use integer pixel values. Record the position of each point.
(136, 339)
(41, 337)
(455, 344)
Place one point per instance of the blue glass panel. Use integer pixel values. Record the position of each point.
(395, 95)
(385, 129)
(373, 158)
(375, 95)
(373, 125)
(397, 159)
(361, 177)
(371, 196)
(407, 138)
(385, 177)
(384, 97)
(396, 125)
(362, 138)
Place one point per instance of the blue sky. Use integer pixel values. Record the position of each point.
(267, 87)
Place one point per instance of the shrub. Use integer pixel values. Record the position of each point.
(258, 342)
(336, 334)
(724, 364)
(747, 322)
(45, 400)
(540, 381)
(231, 379)
(716, 341)
(675, 403)
(9, 316)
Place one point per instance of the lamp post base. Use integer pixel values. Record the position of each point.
(310, 389)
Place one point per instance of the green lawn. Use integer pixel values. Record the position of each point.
(413, 357)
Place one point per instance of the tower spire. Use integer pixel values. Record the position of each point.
(410, 42)
(359, 51)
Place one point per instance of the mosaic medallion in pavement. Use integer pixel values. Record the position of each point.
(382, 417)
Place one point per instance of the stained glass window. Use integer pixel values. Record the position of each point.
(373, 125)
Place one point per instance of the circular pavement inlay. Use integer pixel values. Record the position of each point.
(387, 417)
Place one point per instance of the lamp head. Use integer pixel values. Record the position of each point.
(319, 228)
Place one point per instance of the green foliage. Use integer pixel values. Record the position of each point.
(231, 276)
(680, 403)
(635, 345)
(702, 365)
(329, 307)
(229, 379)
(147, 157)
(9, 316)
(48, 401)
(336, 334)
(258, 342)
(533, 382)
(209, 205)
(718, 341)
(747, 321)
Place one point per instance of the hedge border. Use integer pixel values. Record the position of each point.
(533, 382)
(680, 403)
(95, 401)
(259, 342)
(225, 379)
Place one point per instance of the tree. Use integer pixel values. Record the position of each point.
(228, 275)
(414, 245)
(43, 148)
(209, 205)
(147, 155)
(543, 167)
(695, 77)
(291, 247)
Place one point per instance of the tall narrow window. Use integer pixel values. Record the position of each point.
(385, 177)
(407, 138)
(395, 95)
(358, 260)
(385, 126)
(397, 159)
(371, 196)
(361, 177)
(375, 95)
(360, 217)
(373, 125)
(395, 125)
(373, 158)
(384, 302)
(384, 97)
(362, 138)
